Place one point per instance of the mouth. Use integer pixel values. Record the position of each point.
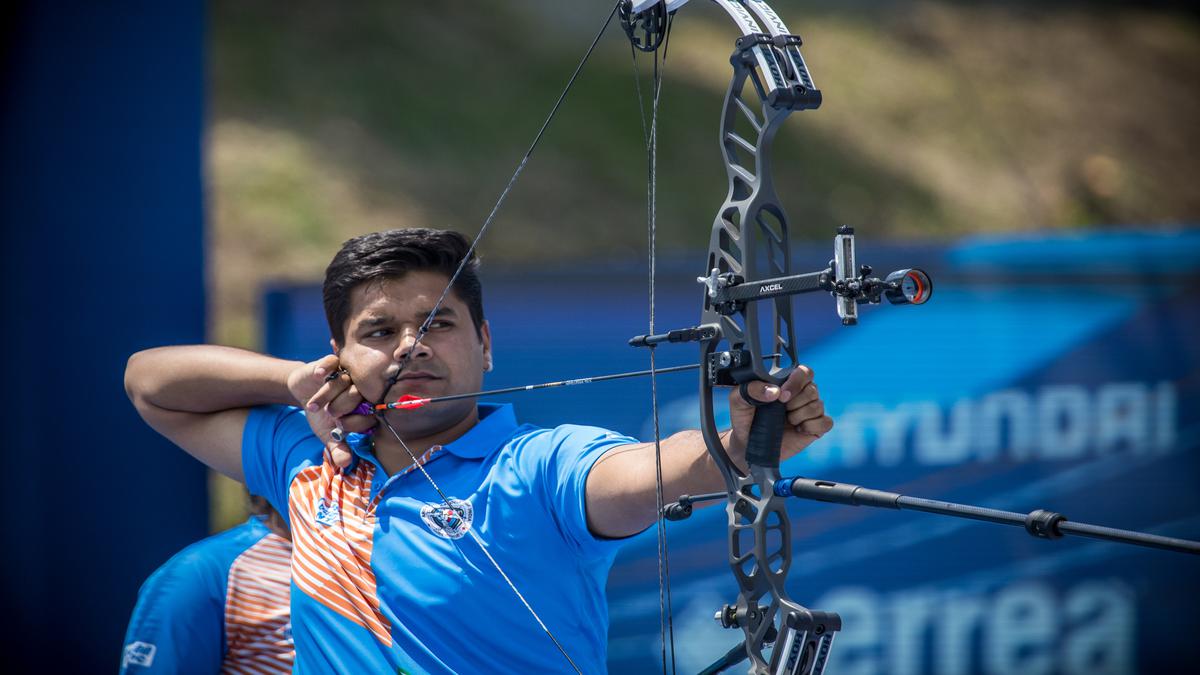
(417, 376)
(410, 382)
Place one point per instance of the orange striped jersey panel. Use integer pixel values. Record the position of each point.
(332, 535)
(258, 631)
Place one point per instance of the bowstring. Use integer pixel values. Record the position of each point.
(421, 332)
(650, 134)
(482, 547)
(496, 208)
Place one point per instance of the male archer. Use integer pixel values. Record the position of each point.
(466, 542)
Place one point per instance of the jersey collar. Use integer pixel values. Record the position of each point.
(497, 424)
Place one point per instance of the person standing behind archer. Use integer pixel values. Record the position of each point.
(219, 605)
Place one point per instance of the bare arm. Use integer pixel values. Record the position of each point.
(621, 497)
(199, 396)
(621, 485)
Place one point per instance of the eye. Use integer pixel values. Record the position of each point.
(379, 333)
(440, 324)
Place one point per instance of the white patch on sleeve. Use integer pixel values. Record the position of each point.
(138, 654)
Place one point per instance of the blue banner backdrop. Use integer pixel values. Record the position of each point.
(1056, 372)
(101, 204)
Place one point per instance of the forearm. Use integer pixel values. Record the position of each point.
(622, 487)
(687, 466)
(206, 379)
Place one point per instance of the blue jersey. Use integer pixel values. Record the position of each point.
(389, 578)
(219, 605)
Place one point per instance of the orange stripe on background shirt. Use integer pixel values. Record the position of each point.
(257, 610)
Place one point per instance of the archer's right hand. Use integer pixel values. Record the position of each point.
(328, 395)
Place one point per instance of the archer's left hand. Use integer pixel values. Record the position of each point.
(806, 418)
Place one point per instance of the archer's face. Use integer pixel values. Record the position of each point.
(385, 318)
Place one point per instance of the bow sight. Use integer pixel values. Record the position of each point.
(729, 292)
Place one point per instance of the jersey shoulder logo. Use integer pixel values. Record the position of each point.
(138, 654)
(327, 513)
(450, 521)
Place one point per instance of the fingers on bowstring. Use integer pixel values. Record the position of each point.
(324, 366)
(337, 450)
(335, 383)
(338, 454)
(358, 424)
(345, 401)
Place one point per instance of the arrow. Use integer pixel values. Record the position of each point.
(411, 402)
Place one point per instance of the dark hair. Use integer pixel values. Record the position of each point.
(381, 256)
(258, 505)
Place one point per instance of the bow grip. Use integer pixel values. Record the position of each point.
(766, 431)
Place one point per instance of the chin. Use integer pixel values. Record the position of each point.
(430, 421)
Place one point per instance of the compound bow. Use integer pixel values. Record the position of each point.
(748, 263)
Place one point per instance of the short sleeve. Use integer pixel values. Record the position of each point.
(178, 622)
(561, 460)
(276, 443)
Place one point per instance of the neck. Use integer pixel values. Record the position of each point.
(276, 524)
(392, 454)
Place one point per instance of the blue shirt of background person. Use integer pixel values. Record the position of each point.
(219, 605)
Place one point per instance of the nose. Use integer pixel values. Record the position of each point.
(411, 342)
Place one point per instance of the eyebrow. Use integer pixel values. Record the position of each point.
(383, 319)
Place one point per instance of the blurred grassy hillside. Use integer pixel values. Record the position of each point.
(940, 119)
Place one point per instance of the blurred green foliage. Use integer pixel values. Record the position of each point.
(940, 119)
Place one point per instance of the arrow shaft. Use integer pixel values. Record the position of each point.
(416, 403)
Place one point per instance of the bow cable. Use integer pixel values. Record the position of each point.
(665, 613)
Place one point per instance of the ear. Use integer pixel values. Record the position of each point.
(334, 346)
(485, 336)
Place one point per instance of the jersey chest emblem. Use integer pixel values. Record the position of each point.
(327, 513)
(451, 521)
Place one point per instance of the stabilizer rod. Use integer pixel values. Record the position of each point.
(1042, 524)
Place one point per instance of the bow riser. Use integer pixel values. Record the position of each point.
(760, 545)
(750, 242)
(750, 233)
